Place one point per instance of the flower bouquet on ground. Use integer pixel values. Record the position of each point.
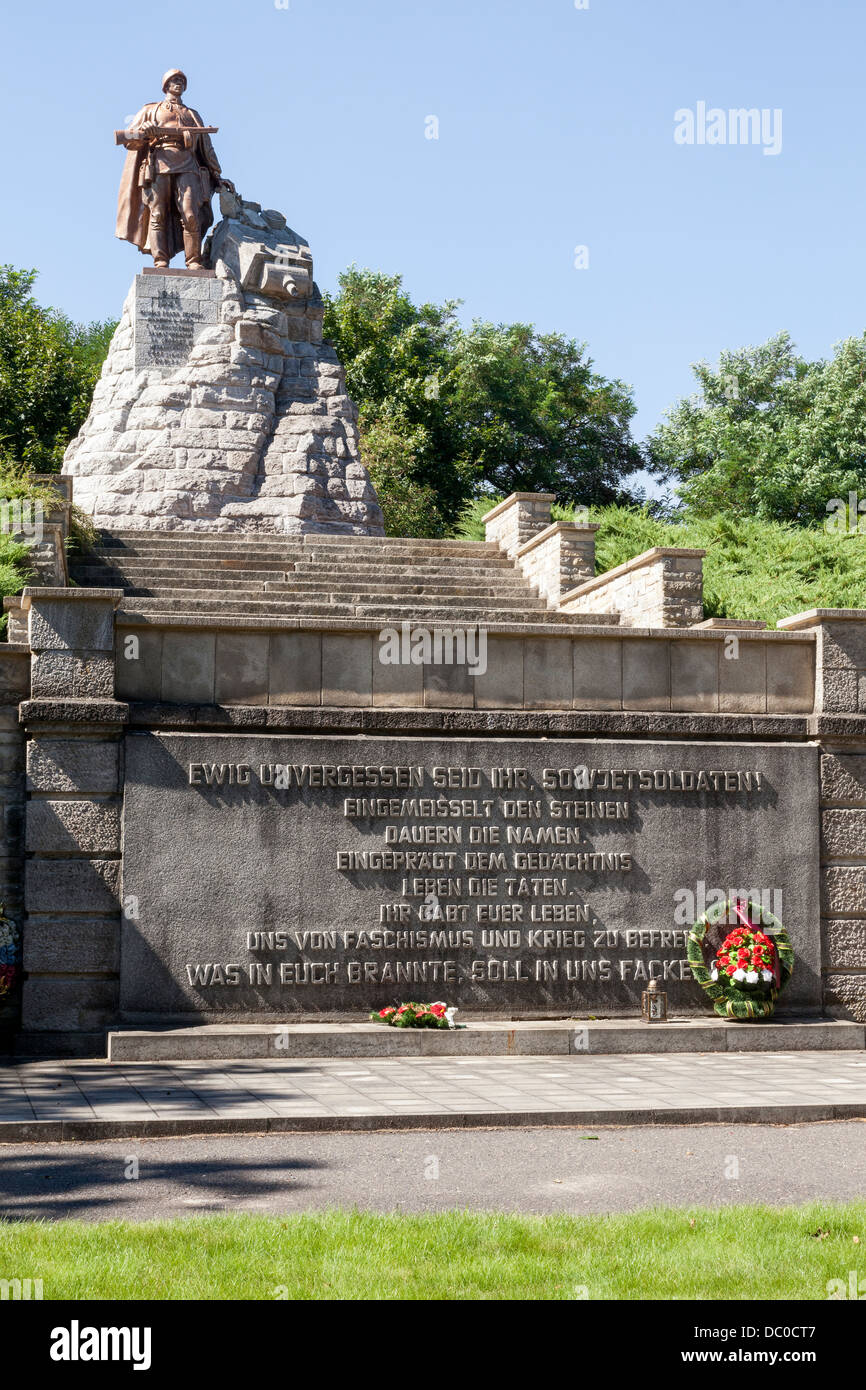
(416, 1016)
(742, 970)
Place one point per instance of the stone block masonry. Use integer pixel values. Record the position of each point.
(328, 662)
(843, 875)
(663, 587)
(295, 830)
(841, 656)
(840, 696)
(74, 816)
(557, 558)
(517, 519)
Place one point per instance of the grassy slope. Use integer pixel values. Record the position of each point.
(731, 1252)
(752, 569)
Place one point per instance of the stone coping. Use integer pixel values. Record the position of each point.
(14, 648)
(72, 595)
(733, 625)
(647, 557)
(590, 625)
(814, 617)
(277, 623)
(556, 527)
(60, 482)
(183, 271)
(266, 1122)
(74, 710)
(518, 497)
(481, 1037)
(384, 721)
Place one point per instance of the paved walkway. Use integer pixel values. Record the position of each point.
(91, 1100)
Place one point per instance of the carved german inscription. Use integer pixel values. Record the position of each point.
(166, 327)
(278, 876)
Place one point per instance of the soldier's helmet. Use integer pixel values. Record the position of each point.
(174, 72)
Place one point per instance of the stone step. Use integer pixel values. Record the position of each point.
(344, 601)
(151, 542)
(287, 561)
(123, 533)
(283, 558)
(484, 1038)
(318, 592)
(394, 613)
(95, 576)
(457, 581)
(484, 593)
(279, 566)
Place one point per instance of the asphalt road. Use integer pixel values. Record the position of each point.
(531, 1170)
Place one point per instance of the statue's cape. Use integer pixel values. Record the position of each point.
(133, 215)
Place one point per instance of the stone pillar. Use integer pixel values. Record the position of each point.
(74, 728)
(843, 877)
(840, 701)
(840, 692)
(14, 687)
(559, 558)
(516, 520)
(841, 656)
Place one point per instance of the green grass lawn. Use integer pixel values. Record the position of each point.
(735, 1252)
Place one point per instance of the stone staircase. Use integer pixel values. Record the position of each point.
(313, 576)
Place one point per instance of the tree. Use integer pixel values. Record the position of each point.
(448, 412)
(397, 359)
(769, 435)
(536, 418)
(48, 369)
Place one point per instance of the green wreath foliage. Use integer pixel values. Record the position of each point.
(705, 938)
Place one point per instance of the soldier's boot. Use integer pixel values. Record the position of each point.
(158, 243)
(192, 250)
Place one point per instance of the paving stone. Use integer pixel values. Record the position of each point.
(98, 1100)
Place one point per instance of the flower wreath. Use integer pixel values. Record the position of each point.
(744, 971)
(10, 953)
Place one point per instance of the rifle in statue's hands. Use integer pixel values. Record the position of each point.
(164, 132)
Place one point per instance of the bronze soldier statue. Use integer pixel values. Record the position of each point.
(169, 178)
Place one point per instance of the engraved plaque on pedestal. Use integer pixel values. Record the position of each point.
(170, 313)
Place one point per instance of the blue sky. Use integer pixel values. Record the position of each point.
(556, 130)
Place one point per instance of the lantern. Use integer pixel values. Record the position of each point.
(654, 1003)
